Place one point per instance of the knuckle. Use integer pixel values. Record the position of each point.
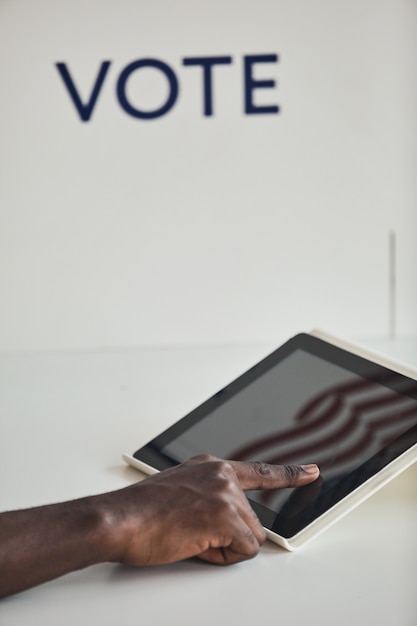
(223, 471)
(227, 493)
(224, 512)
(227, 507)
(291, 471)
(202, 458)
(260, 468)
(252, 545)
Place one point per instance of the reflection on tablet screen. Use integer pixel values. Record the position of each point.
(327, 415)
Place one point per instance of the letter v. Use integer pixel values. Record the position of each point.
(84, 110)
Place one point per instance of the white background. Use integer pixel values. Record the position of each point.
(190, 229)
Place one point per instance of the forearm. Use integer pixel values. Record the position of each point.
(39, 544)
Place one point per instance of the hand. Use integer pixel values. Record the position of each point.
(195, 509)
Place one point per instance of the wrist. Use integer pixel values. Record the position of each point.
(111, 524)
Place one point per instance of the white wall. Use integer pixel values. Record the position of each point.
(191, 228)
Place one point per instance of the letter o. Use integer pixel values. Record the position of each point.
(121, 88)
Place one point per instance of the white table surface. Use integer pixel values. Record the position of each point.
(65, 421)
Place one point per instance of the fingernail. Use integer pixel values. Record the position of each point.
(310, 469)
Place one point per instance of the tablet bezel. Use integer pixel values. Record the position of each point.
(374, 472)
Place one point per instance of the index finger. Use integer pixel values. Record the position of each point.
(257, 475)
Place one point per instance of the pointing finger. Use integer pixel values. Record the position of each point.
(258, 475)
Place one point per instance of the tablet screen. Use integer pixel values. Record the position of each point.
(304, 409)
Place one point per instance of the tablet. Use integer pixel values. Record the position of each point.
(316, 399)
